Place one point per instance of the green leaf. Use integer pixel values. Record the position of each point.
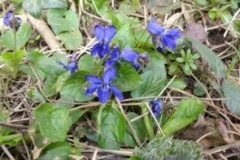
(71, 40)
(54, 4)
(33, 7)
(11, 62)
(186, 112)
(74, 88)
(213, 60)
(127, 78)
(89, 64)
(22, 36)
(54, 122)
(154, 77)
(231, 91)
(61, 80)
(58, 150)
(62, 20)
(111, 126)
(178, 83)
(198, 89)
(138, 127)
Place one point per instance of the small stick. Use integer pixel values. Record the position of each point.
(7, 152)
(129, 123)
(13, 125)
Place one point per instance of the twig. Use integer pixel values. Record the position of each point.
(222, 148)
(45, 32)
(13, 125)
(7, 152)
(129, 123)
(159, 127)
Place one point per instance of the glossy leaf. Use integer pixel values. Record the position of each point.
(112, 127)
(54, 122)
(127, 78)
(186, 112)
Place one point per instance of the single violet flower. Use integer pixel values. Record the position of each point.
(114, 57)
(11, 21)
(136, 59)
(104, 35)
(72, 64)
(156, 107)
(103, 86)
(162, 38)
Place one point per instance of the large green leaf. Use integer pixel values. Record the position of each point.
(89, 64)
(11, 62)
(231, 91)
(71, 40)
(74, 88)
(58, 150)
(22, 36)
(127, 78)
(33, 7)
(111, 126)
(54, 4)
(62, 20)
(186, 112)
(154, 77)
(213, 60)
(54, 122)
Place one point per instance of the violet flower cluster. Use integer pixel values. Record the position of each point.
(102, 87)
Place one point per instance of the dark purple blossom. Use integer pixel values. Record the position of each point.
(104, 35)
(72, 64)
(136, 59)
(103, 86)
(112, 60)
(156, 107)
(163, 38)
(11, 21)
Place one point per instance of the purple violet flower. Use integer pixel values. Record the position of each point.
(11, 21)
(104, 35)
(156, 107)
(162, 38)
(72, 64)
(114, 57)
(103, 86)
(136, 59)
